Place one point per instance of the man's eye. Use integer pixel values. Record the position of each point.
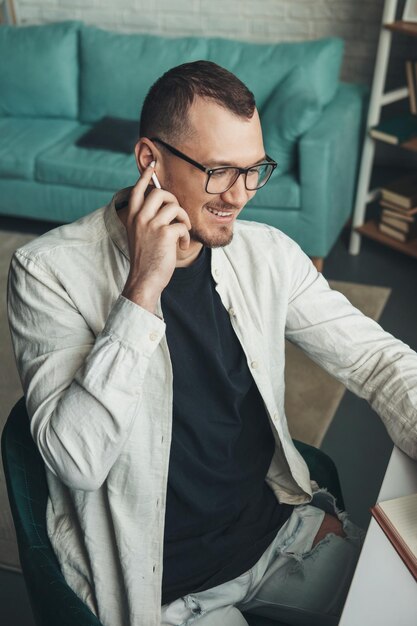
(219, 173)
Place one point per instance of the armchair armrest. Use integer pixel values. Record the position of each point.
(328, 160)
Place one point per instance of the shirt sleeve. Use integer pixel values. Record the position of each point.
(353, 348)
(82, 391)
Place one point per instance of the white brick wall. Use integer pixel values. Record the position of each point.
(356, 21)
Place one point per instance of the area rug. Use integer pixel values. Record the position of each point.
(312, 395)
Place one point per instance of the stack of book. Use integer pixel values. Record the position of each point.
(399, 208)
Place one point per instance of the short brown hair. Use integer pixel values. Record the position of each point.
(164, 111)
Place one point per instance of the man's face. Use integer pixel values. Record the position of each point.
(219, 138)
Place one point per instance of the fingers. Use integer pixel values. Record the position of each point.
(137, 201)
(153, 203)
(169, 212)
(158, 211)
(138, 191)
(147, 208)
(181, 234)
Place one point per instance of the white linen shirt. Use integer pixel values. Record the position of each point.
(97, 378)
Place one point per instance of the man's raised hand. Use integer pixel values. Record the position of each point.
(152, 237)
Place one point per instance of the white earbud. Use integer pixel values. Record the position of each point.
(155, 178)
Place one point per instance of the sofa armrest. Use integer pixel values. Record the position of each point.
(328, 164)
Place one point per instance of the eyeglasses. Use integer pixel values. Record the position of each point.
(221, 179)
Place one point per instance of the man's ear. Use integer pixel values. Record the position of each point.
(144, 154)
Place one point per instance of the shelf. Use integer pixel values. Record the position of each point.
(370, 229)
(411, 144)
(405, 28)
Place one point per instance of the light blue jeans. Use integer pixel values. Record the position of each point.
(292, 582)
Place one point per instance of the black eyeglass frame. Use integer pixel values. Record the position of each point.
(211, 170)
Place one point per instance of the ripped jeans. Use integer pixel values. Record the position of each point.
(292, 582)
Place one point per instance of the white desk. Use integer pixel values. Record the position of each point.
(383, 591)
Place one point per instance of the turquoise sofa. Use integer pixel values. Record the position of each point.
(58, 80)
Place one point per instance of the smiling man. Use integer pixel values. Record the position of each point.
(149, 337)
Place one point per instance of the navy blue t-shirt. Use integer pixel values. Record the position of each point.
(220, 513)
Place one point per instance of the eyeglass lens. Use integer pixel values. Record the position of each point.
(222, 179)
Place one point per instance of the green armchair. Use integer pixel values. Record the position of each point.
(52, 600)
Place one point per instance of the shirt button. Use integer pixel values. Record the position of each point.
(217, 272)
(153, 336)
(275, 417)
(232, 312)
(254, 365)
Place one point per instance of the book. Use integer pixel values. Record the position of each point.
(397, 215)
(402, 191)
(398, 209)
(398, 520)
(394, 233)
(396, 130)
(402, 225)
(411, 84)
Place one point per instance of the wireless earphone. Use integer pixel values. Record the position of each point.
(155, 177)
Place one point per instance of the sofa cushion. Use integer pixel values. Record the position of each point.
(293, 107)
(39, 70)
(65, 163)
(117, 70)
(22, 139)
(262, 66)
(54, 203)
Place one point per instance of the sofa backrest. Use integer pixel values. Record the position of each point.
(39, 70)
(70, 70)
(116, 70)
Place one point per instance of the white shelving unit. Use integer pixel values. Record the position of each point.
(378, 99)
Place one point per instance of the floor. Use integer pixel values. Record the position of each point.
(356, 440)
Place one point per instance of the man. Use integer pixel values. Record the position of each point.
(149, 337)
